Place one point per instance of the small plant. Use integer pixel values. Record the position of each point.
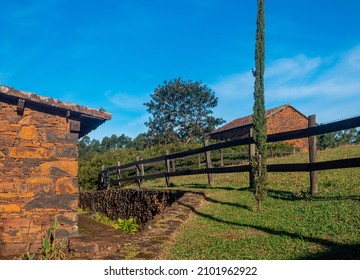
(101, 218)
(51, 249)
(81, 211)
(28, 257)
(126, 225)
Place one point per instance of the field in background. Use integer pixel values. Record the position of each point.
(292, 225)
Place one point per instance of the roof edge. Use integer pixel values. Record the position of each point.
(269, 112)
(55, 103)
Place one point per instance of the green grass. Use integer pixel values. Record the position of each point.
(125, 225)
(292, 225)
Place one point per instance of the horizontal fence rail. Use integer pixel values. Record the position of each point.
(294, 167)
(168, 160)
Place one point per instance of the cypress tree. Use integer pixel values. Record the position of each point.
(258, 162)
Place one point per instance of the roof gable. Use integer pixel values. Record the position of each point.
(247, 120)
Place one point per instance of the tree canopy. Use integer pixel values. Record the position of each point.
(181, 111)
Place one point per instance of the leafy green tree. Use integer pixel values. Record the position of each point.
(140, 142)
(334, 139)
(258, 162)
(327, 140)
(115, 142)
(83, 145)
(87, 147)
(95, 146)
(123, 141)
(181, 111)
(357, 137)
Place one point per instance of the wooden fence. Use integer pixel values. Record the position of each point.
(112, 176)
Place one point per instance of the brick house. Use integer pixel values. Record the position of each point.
(279, 119)
(39, 166)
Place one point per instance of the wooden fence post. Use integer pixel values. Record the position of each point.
(138, 172)
(208, 164)
(173, 167)
(119, 173)
(102, 178)
(105, 177)
(221, 157)
(251, 154)
(312, 156)
(142, 170)
(167, 170)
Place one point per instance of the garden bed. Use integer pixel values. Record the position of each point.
(141, 204)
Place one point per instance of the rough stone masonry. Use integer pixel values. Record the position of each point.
(39, 167)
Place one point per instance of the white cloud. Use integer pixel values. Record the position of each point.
(286, 69)
(335, 80)
(234, 95)
(327, 86)
(127, 102)
(235, 85)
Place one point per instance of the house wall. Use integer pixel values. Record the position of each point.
(38, 177)
(286, 120)
(232, 134)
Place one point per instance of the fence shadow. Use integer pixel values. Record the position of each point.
(334, 250)
(205, 186)
(238, 205)
(290, 196)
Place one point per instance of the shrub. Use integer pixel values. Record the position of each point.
(126, 225)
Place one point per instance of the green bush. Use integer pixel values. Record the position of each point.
(128, 226)
(90, 166)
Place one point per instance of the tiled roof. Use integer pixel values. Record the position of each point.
(245, 121)
(90, 118)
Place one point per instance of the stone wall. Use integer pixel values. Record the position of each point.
(287, 120)
(142, 204)
(38, 176)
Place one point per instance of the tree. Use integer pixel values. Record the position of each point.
(140, 142)
(327, 140)
(334, 139)
(88, 146)
(181, 111)
(115, 142)
(258, 162)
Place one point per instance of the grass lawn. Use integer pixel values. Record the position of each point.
(292, 225)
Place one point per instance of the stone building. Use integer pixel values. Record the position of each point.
(279, 119)
(39, 166)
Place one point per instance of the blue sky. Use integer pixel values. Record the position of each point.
(113, 54)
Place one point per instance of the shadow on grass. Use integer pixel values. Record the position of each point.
(228, 203)
(335, 251)
(204, 186)
(211, 200)
(289, 196)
